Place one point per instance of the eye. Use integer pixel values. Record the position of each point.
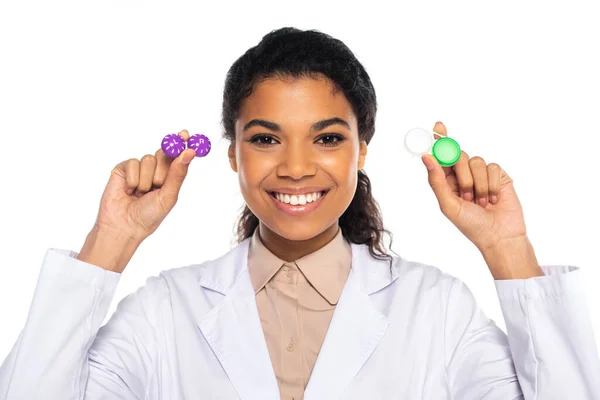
(263, 140)
(331, 139)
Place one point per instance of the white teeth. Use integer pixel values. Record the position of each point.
(301, 199)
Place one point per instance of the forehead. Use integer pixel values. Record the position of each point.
(296, 100)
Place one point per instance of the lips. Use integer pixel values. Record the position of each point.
(298, 202)
(297, 199)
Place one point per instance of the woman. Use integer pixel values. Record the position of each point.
(308, 304)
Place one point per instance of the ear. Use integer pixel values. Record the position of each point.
(362, 154)
(231, 155)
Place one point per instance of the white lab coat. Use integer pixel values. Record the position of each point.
(194, 333)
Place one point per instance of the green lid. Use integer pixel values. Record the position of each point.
(447, 151)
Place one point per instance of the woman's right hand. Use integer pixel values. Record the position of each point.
(141, 193)
(138, 197)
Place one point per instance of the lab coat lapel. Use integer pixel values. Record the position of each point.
(233, 328)
(356, 328)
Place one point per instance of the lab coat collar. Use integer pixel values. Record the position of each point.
(234, 332)
(221, 274)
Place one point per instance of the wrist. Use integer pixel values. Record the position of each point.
(111, 251)
(512, 259)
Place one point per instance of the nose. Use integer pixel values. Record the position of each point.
(297, 161)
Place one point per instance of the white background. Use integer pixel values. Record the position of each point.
(84, 86)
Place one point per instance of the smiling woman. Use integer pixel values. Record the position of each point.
(299, 123)
(308, 305)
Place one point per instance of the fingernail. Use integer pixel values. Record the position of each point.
(494, 199)
(427, 163)
(482, 201)
(468, 196)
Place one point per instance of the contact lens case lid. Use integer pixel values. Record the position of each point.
(419, 141)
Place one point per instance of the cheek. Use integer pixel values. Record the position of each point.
(348, 187)
(253, 168)
(342, 168)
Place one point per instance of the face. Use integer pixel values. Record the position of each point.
(297, 154)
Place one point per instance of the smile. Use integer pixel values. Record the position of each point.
(295, 199)
(297, 203)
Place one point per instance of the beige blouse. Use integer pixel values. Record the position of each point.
(295, 302)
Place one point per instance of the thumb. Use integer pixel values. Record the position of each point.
(448, 201)
(176, 175)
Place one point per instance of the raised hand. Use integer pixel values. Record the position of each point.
(138, 197)
(478, 198)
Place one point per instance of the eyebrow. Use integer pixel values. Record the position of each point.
(317, 126)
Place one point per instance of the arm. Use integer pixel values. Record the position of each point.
(479, 364)
(63, 353)
(550, 351)
(550, 335)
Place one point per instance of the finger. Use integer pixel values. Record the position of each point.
(147, 168)
(163, 163)
(494, 173)
(504, 178)
(440, 129)
(185, 135)
(453, 183)
(169, 192)
(449, 203)
(132, 174)
(480, 180)
(464, 176)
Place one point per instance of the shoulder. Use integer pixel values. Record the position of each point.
(428, 292)
(429, 280)
(422, 286)
(399, 273)
(425, 278)
(218, 274)
(417, 271)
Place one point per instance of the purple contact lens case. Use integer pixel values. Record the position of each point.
(200, 143)
(173, 145)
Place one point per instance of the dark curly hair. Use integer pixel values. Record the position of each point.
(290, 52)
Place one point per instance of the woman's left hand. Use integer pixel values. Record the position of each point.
(480, 200)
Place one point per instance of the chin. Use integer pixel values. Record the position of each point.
(298, 231)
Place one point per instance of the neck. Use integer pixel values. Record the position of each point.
(291, 250)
